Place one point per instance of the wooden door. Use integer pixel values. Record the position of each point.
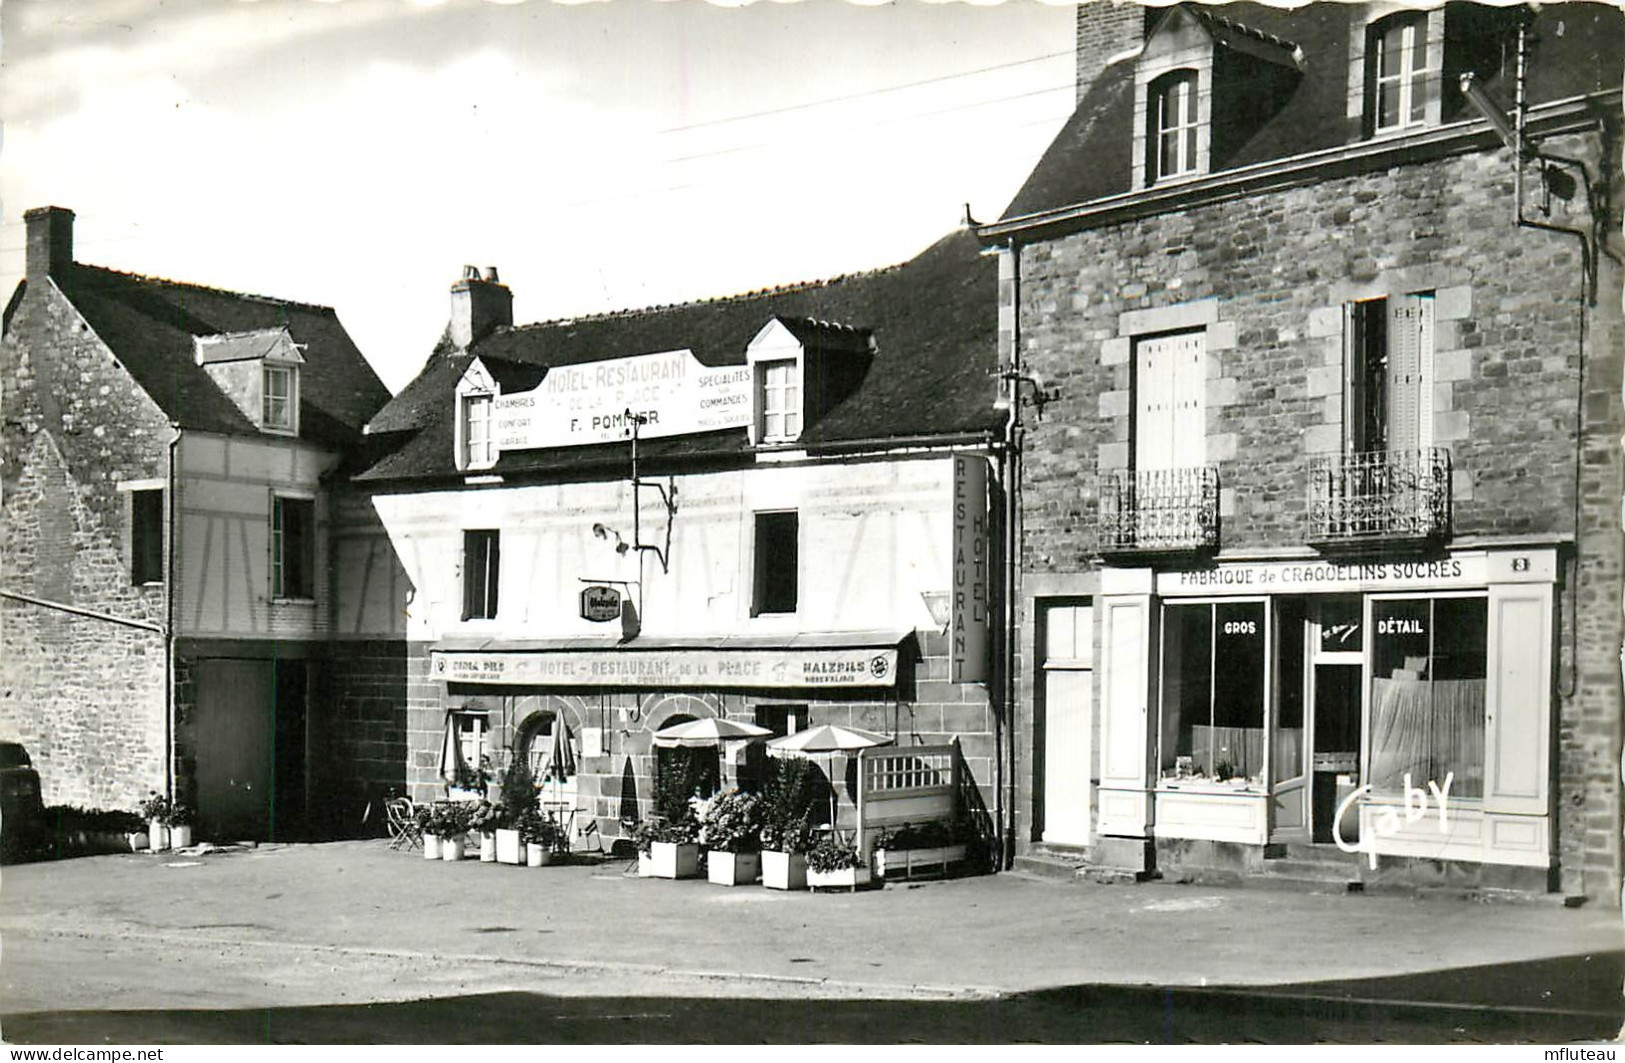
(1068, 673)
(235, 742)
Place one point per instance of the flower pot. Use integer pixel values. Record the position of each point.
(846, 878)
(674, 859)
(180, 836)
(784, 871)
(538, 855)
(157, 837)
(510, 850)
(488, 846)
(136, 840)
(431, 846)
(451, 847)
(732, 869)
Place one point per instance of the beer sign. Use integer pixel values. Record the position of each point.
(600, 604)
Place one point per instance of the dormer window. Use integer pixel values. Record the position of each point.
(1174, 125)
(279, 397)
(477, 451)
(778, 401)
(1401, 77)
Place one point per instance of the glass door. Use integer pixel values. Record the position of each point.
(1336, 708)
(1289, 761)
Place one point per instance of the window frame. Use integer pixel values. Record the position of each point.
(280, 591)
(791, 399)
(1199, 784)
(290, 373)
(1415, 80)
(764, 599)
(1186, 130)
(1368, 391)
(487, 603)
(466, 421)
(141, 571)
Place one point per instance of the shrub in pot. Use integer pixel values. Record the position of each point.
(429, 827)
(784, 852)
(731, 832)
(156, 810)
(484, 819)
(541, 835)
(454, 822)
(668, 849)
(834, 863)
(519, 798)
(180, 825)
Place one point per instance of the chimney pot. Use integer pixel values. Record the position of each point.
(478, 305)
(489, 274)
(50, 241)
(471, 273)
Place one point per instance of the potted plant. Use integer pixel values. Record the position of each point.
(519, 798)
(731, 832)
(429, 826)
(667, 849)
(834, 864)
(483, 820)
(785, 842)
(932, 845)
(454, 821)
(540, 833)
(180, 825)
(155, 810)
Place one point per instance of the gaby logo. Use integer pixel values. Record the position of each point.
(1388, 822)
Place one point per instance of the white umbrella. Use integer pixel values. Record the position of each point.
(452, 764)
(827, 739)
(706, 733)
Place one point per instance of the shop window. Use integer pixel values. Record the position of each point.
(1213, 684)
(146, 536)
(1173, 127)
(1399, 82)
(778, 396)
(280, 398)
(1428, 669)
(293, 547)
(1389, 379)
(777, 563)
(482, 556)
(476, 417)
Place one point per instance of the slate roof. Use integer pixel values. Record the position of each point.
(150, 325)
(933, 319)
(1579, 49)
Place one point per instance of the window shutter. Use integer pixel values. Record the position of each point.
(1404, 373)
(1518, 700)
(1424, 370)
(1190, 399)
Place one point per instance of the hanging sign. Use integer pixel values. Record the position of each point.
(865, 666)
(969, 602)
(600, 604)
(666, 394)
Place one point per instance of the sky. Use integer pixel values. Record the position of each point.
(602, 155)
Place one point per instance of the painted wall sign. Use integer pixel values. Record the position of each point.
(671, 393)
(861, 667)
(600, 604)
(1320, 576)
(969, 602)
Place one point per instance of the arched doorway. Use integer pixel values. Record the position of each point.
(681, 773)
(551, 751)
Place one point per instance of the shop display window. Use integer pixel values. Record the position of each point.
(1213, 687)
(1428, 668)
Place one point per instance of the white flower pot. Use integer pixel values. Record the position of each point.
(451, 847)
(846, 878)
(510, 850)
(431, 847)
(488, 846)
(137, 840)
(157, 837)
(674, 859)
(646, 866)
(537, 855)
(784, 871)
(180, 837)
(732, 869)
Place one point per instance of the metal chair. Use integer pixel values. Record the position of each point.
(403, 824)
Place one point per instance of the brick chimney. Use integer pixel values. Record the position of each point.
(1106, 28)
(479, 303)
(50, 241)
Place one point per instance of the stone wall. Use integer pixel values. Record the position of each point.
(360, 714)
(85, 696)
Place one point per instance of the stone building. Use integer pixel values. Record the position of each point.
(1321, 519)
(741, 508)
(165, 600)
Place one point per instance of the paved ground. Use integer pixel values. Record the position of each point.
(349, 941)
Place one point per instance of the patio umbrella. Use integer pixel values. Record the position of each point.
(451, 752)
(827, 740)
(707, 732)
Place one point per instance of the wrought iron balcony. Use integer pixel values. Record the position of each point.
(1159, 511)
(1397, 496)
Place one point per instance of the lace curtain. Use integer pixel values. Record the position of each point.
(1429, 729)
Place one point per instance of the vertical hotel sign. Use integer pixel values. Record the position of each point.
(969, 601)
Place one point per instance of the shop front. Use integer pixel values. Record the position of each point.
(583, 712)
(1391, 708)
